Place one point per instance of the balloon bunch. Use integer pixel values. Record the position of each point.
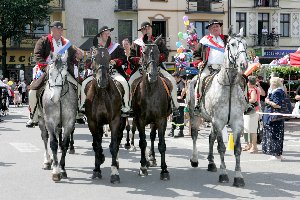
(184, 56)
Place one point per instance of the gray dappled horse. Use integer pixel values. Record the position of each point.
(103, 106)
(222, 104)
(57, 112)
(151, 103)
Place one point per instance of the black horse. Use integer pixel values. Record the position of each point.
(103, 106)
(151, 103)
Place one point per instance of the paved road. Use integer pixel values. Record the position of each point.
(22, 177)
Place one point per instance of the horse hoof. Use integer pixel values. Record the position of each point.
(133, 149)
(165, 176)
(47, 166)
(72, 151)
(223, 178)
(194, 164)
(56, 177)
(115, 179)
(127, 146)
(97, 175)
(63, 175)
(148, 164)
(212, 167)
(143, 172)
(152, 163)
(238, 182)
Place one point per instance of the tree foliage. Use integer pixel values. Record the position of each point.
(16, 14)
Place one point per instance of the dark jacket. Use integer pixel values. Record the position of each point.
(42, 51)
(201, 51)
(135, 53)
(118, 55)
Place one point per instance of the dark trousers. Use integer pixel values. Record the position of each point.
(179, 120)
(23, 97)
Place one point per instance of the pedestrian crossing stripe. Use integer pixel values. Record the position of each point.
(25, 147)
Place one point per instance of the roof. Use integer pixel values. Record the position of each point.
(87, 44)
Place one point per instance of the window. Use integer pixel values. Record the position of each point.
(124, 30)
(125, 4)
(37, 29)
(200, 28)
(90, 27)
(285, 25)
(241, 22)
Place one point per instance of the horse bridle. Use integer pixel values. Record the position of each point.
(233, 61)
(59, 74)
(152, 60)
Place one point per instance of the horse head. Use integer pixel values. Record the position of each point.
(236, 51)
(100, 64)
(150, 58)
(57, 74)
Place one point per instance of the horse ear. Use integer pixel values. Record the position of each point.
(158, 40)
(108, 42)
(230, 30)
(145, 39)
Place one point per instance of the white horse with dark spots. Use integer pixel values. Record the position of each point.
(223, 103)
(57, 114)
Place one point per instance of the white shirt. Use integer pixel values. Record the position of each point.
(264, 31)
(215, 56)
(56, 45)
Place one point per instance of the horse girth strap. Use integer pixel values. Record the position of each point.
(165, 86)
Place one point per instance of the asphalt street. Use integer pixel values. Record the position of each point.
(22, 176)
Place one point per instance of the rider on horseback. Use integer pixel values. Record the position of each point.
(209, 57)
(118, 58)
(56, 44)
(136, 54)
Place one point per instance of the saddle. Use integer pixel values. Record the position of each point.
(166, 84)
(207, 81)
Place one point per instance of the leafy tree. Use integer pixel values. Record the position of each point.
(14, 16)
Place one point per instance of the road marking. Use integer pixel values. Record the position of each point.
(25, 147)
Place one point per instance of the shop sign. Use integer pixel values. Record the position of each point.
(277, 53)
(17, 57)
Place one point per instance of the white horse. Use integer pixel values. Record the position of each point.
(57, 111)
(223, 103)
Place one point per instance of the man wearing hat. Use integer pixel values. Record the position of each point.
(136, 54)
(57, 44)
(118, 58)
(209, 57)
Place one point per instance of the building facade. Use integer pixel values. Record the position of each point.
(85, 18)
(19, 54)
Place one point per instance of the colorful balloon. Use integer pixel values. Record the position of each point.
(186, 22)
(178, 44)
(185, 36)
(185, 18)
(179, 50)
(180, 35)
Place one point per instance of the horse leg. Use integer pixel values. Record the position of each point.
(223, 177)
(127, 145)
(164, 174)
(45, 136)
(72, 149)
(64, 149)
(194, 133)
(211, 163)
(114, 149)
(152, 160)
(142, 144)
(238, 178)
(97, 146)
(56, 176)
(133, 129)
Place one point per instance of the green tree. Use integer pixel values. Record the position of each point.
(14, 16)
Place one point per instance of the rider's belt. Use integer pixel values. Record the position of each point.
(215, 66)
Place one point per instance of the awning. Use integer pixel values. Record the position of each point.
(87, 44)
(295, 59)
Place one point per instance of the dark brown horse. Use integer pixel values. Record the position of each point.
(103, 106)
(151, 103)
